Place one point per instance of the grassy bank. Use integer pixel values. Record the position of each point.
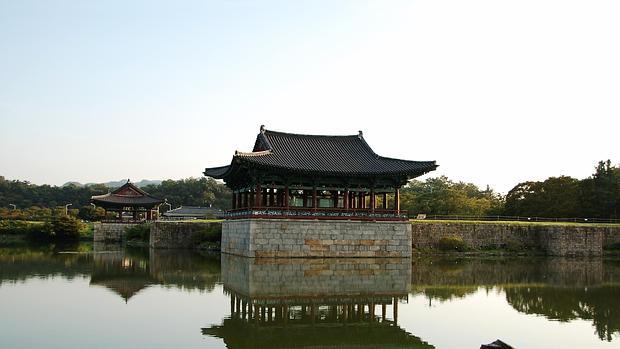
(517, 223)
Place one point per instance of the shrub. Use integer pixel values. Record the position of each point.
(140, 232)
(451, 243)
(13, 227)
(65, 227)
(210, 233)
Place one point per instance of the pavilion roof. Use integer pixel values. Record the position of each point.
(337, 155)
(128, 194)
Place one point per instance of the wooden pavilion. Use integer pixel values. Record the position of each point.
(129, 198)
(319, 177)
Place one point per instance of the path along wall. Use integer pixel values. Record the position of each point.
(559, 240)
(315, 238)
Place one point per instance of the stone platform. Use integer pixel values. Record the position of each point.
(316, 238)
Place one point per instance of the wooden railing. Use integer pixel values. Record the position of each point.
(317, 213)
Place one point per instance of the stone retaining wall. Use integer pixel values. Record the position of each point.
(295, 278)
(560, 240)
(173, 234)
(110, 232)
(315, 238)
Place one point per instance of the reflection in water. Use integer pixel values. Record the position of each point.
(332, 302)
(299, 303)
(561, 289)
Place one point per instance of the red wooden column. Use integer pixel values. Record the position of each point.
(384, 206)
(362, 200)
(372, 199)
(314, 203)
(258, 197)
(335, 198)
(345, 200)
(286, 196)
(397, 199)
(272, 198)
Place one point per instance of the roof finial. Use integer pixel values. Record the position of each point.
(128, 180)
(360, 134)
(262, 128)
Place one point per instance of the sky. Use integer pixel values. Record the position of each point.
(497, 92)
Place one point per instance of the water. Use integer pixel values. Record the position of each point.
(109, 297)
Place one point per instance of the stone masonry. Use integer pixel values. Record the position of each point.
(110, 232)
(295, 278)
(315, 238)
(556, 240)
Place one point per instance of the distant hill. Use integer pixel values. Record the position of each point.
(116, 184)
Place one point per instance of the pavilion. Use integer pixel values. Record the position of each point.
(129, 198)
(318, 177)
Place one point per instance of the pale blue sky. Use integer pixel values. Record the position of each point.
(497, 92)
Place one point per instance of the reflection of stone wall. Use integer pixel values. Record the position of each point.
(171, 234)
(552, 239)
(612, 238)
(299, 277)
(314, 238)
(556, 271)
(110, 231)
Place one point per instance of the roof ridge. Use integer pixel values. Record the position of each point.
(252, 153)
(311, 135)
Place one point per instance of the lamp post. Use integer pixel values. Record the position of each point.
(67, 209)
(14, 206)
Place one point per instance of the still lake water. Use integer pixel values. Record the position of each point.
(108, 297)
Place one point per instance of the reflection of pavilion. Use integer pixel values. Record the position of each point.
(299, 303)
(127, 273)
(123, 274)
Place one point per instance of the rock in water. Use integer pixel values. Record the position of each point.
(496, 345)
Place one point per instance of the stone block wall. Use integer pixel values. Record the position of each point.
(316, 277)
(178, 234)
(315, 238)
(611, 238)
(110, 232)
(558, 240)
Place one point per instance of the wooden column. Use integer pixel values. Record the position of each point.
(258, 197)
(384, 205)
(272, 197)
(397, 199)
(265, 197)
(395, 310)
(234, 200)
(345, 199)
(314, 202)
(286, 196)
(304, 198)
(239, 200)
(335, 198)
(383, 311)
(246, 199)
(372, 199)
(362, 200)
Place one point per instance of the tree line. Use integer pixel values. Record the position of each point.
(39, 202)
(597, 196)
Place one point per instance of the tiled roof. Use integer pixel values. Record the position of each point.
(128, 194)
(191, 211)
(338, 155)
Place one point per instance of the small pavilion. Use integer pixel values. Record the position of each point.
(290, 175)
(129, 198)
